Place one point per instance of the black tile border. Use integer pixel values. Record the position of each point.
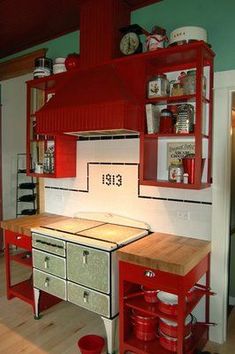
(139, 195)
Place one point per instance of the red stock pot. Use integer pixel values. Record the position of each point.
(170, 343)
(145, 326)
(168, 303)
(170, 328)
(150, 295)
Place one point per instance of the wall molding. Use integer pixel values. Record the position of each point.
(21, 65)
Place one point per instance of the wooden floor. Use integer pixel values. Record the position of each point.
(60, 326)
(56, 332)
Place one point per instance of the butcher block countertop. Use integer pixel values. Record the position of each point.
(168, 253)
(25, 224)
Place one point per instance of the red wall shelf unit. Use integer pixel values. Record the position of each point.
(171, 61)
(47, 156)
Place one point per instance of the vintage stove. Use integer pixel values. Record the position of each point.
(75, 260)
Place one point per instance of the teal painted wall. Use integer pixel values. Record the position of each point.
(216, 16)
(58, 47)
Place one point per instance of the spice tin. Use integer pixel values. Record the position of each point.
(158, 86)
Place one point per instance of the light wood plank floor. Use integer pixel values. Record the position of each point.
(56, 332)
(60, 327)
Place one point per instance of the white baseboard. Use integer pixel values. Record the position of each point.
(232, 300)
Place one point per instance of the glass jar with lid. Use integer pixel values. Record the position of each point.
(189, 83)
(175, 171)
(158, 86)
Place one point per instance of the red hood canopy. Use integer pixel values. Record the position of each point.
(95, 99)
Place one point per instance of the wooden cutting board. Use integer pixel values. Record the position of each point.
(112, 233)
(169, 253)
(73, 225)
(24, 224)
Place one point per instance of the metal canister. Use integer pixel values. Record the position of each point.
(43, 67)
(158, 86)
(184, 119)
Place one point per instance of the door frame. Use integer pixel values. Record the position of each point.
(1, 211)
(221, 189)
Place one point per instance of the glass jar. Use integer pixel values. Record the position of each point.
(158, 86)
(189, 83)
(175, 173)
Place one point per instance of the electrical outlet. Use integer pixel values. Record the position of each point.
(183, 215)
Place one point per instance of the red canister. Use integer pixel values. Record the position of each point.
(166, 122)
(189, 167)
(145, 326)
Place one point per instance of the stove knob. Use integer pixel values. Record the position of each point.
(85, 296)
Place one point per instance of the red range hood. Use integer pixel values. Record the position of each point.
(95, 99)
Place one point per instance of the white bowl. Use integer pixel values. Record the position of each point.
(59, 60)
(58, 68)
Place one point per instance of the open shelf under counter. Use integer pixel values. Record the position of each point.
(23, 291)
(24, 258)
(199, 339)
(139, 303)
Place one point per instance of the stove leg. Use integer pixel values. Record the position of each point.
(36, 302)
(111, 328)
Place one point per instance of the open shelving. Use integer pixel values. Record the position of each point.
(154, 156)
(51, 156)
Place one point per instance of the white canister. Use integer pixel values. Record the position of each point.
(188, 33)
(58, 68)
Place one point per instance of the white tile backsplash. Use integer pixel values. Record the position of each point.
(115, 158)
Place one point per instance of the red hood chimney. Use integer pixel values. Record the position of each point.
(100, 21)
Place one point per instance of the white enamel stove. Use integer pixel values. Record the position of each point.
(76, 261)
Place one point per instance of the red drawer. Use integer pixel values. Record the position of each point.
(152, 278)
(19, 240)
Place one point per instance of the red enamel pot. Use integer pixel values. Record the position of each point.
(170, 343)
(145, 326)
(170, 328)
(168, 303)
(150, 295)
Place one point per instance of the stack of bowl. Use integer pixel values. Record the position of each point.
(59, 65)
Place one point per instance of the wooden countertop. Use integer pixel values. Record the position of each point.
(24, 224)
(169, 253)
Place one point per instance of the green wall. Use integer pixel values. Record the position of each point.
(58, 47)
(216, 16)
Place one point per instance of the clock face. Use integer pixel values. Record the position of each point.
(129, 43)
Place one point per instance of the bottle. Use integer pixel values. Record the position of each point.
(46, 162)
